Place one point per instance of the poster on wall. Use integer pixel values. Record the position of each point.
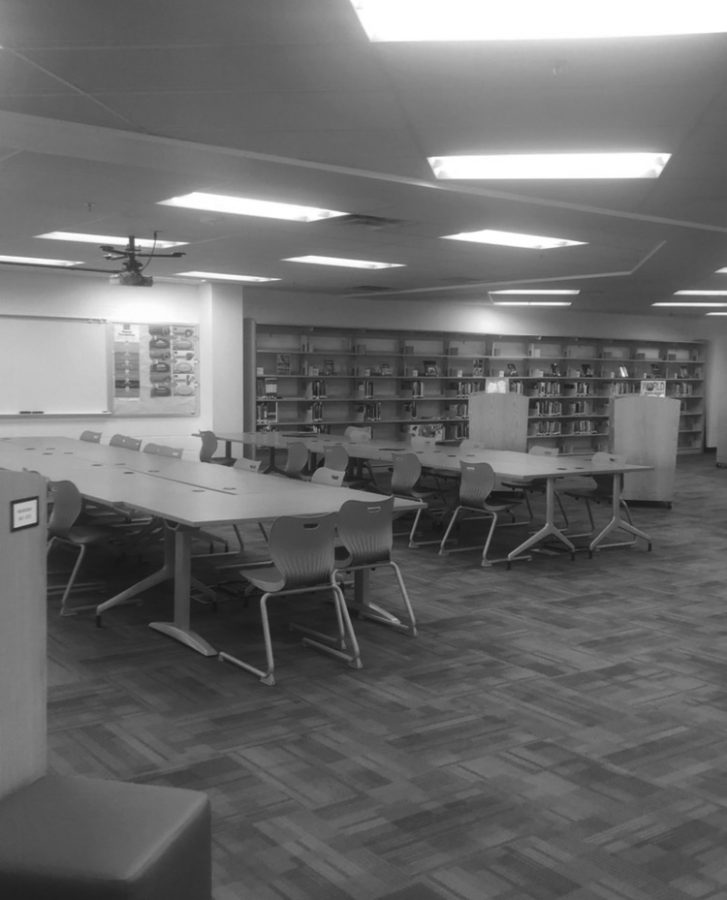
(156, 369)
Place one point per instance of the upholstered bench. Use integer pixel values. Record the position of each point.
(74, 838)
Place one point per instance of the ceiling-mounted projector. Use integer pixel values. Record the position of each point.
(132, 279)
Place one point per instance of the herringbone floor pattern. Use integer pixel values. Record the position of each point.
(555, 732)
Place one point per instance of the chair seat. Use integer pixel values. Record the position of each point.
(268, 579)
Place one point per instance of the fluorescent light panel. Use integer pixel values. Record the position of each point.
(716, 314)
(695, 293)
(81, 237)
(247, 206)
(539, 292)
(40, 261)
(696, 304)
(531, 303)
(512, 239)
(475, 20)
(222, 276)
(346, 263)
(550, 165)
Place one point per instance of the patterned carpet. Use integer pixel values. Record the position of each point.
(556, 732)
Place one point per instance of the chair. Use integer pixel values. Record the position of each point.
(209, 448)
(63, 529)
(405, 478)
(163, 450)
(475, 490)
(124, 440)
(302, 553)
(596, 489)
(93, 437)
(366, 539)
(296, 460)
(324, 475)
(336, 457)
(249, 465)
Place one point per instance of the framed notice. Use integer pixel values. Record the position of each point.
(156, 369)
(653, 387)
(24, 513)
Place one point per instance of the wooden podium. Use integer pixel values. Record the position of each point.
(646, 431)
(499, 421)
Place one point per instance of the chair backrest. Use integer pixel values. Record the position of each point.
(324, 475)
(166, 450)
(66, 502)
(365, 530)
(336, 457)
(248, 465)
(296, 460)
(542, 450)
(93, 436)
(209, 445)
(302, 550)
(150, 448)
(357, 433)
(476, 483)
(406, 473)
(123, 440)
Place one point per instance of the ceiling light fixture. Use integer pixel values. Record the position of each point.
(716, 314)
(346, 263)
(39, 261)
(512, 239)
(695, 293)
(531, 303)
(473, 20)
(246, 206)
(550, 166)
(83, 238)
(222, 276)
(696, 304)
(538, 292)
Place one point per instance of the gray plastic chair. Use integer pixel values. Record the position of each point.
(296, 460)
(63, 529)
(366, 539)
(324, 475)
(405, 482)
(209, 448)
(124, 440)
(302, 554)
(477, 481)
(93, 437)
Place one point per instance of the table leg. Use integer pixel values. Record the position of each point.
(180, 629)
(617, 521)
(549, 528)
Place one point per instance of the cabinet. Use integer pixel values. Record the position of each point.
(417, 382)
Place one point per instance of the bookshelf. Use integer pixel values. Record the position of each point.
(417, 382)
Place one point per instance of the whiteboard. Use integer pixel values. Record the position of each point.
(54, 366)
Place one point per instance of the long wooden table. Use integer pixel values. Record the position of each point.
(508, 465)
(186, 496)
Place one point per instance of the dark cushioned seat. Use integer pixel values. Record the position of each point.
(75, 838)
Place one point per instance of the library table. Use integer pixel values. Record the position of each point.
(508, 465)
(199, 496)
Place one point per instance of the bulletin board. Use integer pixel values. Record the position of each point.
(155, 369)
(73, 366)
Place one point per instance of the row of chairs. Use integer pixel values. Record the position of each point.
(133, 443)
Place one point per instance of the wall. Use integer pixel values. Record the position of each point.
(217, 309)
(276, 307)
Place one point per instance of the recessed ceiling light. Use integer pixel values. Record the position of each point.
(245, 206)
(550, 165)
(538, 292)
(722, 271)
(81, 237)
(474, 20)
(531, 303)
(40, 261)
(222, 276)
(700, 293)
(346, 263)
(512, 239)
(716, 314)
(696, 304)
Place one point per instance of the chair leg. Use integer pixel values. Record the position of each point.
(488, 540)
(412, 629)
(442, 550)
(266, 676)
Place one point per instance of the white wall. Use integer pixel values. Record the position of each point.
(216, 309)
(444, 314)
